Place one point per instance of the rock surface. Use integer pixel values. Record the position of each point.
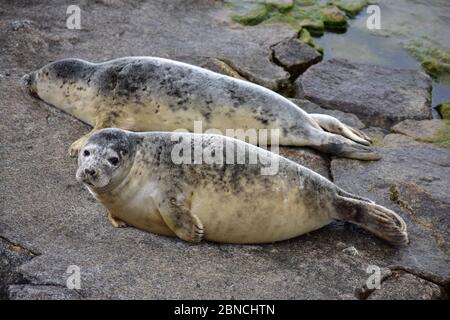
(345, 117)
(411, 179)
(379, 96)
(425, 130)
(405, 286)
(55, 223)
(295, 56)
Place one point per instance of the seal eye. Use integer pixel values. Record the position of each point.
(86, 153)
(114, 161)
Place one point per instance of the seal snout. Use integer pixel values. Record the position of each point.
(90, 172)
(29, 84)
(87, 175)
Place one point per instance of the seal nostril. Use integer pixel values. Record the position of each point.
(90, 172)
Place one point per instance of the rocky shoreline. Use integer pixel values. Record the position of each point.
(49, 222)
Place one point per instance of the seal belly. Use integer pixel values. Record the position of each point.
(135, 206)
(256, 215)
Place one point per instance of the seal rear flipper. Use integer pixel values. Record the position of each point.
(353, 196)
(380, 221)
(342, 147)
(173, 210)
(333, 125)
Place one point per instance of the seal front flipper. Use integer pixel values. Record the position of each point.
(333, 125)
(175, 212)
(116, 223)
(380, 221)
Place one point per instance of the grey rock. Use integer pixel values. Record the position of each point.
(41, 292)
(191, 32)
(295, 56)
(379, 96)
(425, 130)
(404, 286)
(376, 134)
(411, 179)
(347, 118)
(11, 257)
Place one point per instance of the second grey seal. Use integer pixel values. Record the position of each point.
(155, 94)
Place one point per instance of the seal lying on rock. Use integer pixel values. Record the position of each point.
(155, 94)
(137, 178)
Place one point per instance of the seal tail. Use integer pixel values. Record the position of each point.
(380, 221)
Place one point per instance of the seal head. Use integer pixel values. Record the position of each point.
(105, 160)
(54, 78)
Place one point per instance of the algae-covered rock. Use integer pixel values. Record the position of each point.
(352, 7)
(256, 14)
(444, 110)
(432, 131)
(305, 36)
(314, 15)
(334, 18)
(434, 58)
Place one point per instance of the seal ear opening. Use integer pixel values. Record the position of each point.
(380, 221)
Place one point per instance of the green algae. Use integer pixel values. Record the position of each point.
(255, 15)
(305, 36)
(442, 138)
(333, 18)
(444, 110)
(434, 58)
(314, 15)
(351, 7)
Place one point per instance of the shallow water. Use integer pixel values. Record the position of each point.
(401, 21)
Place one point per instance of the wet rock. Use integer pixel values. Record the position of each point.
(309, 158)
(425, 130)
(347, 118)
(379, 96)
(295, 56)
(404, 286)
